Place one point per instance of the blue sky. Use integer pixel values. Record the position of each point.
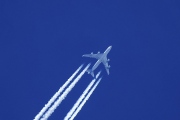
(41, 44)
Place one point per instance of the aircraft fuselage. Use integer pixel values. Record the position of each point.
(101, 58)
(104, 56)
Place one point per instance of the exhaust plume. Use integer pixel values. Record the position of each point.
(56, 95)
(84, 101)
(62, 97)
(69, 114)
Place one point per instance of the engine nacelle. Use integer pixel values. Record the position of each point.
(109, 66)
(91, 52)
(98, 52)
(108, 60)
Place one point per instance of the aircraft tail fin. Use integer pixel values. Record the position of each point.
(89, 71)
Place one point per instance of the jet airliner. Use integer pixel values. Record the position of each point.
(102, 57)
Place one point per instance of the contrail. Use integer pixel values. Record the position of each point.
(62, 97)
(56, 95)
(85, 99)
(69, 114)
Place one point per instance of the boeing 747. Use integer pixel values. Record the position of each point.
(102, 57)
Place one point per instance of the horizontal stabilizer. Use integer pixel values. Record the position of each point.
(89, 71)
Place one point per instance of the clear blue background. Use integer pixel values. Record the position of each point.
(41, 44)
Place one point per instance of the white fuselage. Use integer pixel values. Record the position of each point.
(103, 57)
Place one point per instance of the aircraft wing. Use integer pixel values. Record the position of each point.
(97, 56)
(106, 66)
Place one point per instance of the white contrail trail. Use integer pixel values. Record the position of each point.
(69, 114)
(62, 97)
(84, 101)
(56, 95)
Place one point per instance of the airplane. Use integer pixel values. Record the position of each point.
(102, 57)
